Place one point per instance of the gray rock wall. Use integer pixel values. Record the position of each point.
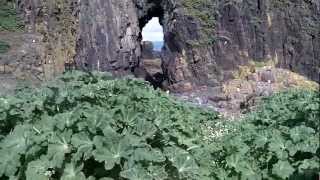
(108, 37)
(253, 30)
(108, 34)
(286, 32)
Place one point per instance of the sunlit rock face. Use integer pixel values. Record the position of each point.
(108, 36)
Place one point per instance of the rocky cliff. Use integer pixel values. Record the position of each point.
(205, 40)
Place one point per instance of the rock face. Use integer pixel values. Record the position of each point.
(205, 40)
(56, 22)
(23, 59)
(238, 96)
(286, 32)
(147, 50)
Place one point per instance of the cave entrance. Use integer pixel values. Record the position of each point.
(151, 45)
(153, 32)
(152, 42)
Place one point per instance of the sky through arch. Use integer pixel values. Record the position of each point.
(152, 31)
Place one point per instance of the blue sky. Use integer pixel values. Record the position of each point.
(153, 31)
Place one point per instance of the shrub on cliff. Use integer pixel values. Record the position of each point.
(90, 126)
(278, 141)
(8, 17)
(4, 47)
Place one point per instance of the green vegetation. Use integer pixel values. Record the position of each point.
(8, 17)
(204, 11)
(278, 141)
(84, 126)
(4, 47)
(91, 126)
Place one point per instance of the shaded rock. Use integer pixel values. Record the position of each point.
(267, 76)
(147, 50)
(238, 96)
(181, 87)
(57, 23)
(253, 77)
(153, 66)
(24, 58)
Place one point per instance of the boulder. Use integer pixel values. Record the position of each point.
(147, 50)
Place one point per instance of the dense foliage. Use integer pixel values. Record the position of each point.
(278, 141)
(91, 127)
(8, 17)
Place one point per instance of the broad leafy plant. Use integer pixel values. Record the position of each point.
(91, 126)
(278, 141)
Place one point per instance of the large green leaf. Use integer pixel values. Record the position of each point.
(144, 128)
(59, 146)
(97, 119)
(309, 164)
(111, 148)
(183, 161)
(39, 170)
(10, 162)
(279, 146)
(83, 144)
(135, 173)
(158, 172)
(148, 154)
(301, 133)
(73, 172)
(18, 140)
(261, 139)
(283, 169)
(249, 171)
(309, 145)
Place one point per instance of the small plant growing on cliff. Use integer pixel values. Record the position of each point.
(203, 11)
(4, 47)
(9, 20)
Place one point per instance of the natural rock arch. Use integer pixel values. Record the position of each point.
(107, 35)
(110, 39)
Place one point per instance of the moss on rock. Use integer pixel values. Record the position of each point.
(8, 17)
(205, 12)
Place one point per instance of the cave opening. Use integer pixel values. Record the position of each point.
(153, 32)
(151, 45)
(152, 42)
